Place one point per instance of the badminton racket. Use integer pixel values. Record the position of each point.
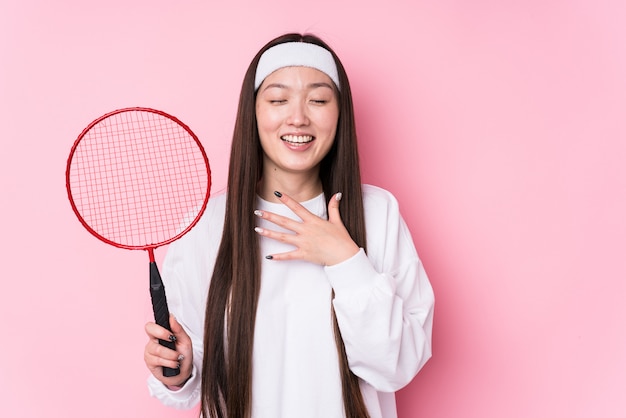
(138, 178)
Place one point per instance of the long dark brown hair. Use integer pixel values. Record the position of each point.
(234, 291)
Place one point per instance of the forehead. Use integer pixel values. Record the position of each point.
(294, 77)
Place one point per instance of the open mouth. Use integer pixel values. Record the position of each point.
(297, 140)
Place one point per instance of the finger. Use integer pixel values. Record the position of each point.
(289, 255)
(157, 356)
(283, 237)
(294, 205)
(162, 357)
(177, 329)
(158, 332)
(155, 348)
(282, 221)
(161, 362)
(184, 345)
(334, 215)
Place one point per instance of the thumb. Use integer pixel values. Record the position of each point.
(334, 215)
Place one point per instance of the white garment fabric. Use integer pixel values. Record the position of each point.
(383, 303)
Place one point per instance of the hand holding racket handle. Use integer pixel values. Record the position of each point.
(161, 313)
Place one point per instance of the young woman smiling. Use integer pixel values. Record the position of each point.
(299, 293)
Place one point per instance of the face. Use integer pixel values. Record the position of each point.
(297, 113)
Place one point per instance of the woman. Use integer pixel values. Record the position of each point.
(315, 300)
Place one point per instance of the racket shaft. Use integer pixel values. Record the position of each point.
(161, 313)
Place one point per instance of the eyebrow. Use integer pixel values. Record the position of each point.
(320, 84)
(309, 86)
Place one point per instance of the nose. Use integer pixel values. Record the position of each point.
(298, 114)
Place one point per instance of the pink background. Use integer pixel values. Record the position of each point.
(498, 124)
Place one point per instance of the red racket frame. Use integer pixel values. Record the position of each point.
(149, 247)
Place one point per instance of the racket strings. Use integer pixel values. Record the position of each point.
(138, 178)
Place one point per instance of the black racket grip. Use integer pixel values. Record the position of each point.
(161, 313)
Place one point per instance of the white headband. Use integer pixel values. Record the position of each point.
(296, 54)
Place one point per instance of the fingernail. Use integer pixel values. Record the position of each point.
(258, 230)
(338, 196)
(172, 338)
(278, 194)
(269, 257)
(181, 357)
(258, 213)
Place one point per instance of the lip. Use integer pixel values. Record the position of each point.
(299, 137)
(298, 141)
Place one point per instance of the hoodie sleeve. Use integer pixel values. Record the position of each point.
(383, 300)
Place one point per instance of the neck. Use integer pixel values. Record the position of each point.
(299, 187)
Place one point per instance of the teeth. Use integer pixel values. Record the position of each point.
(297, 139)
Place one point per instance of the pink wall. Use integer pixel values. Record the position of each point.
(499, 125)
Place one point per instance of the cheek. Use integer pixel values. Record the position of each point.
(267, 120)
(331, 121)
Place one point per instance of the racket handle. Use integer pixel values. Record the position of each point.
(161, 313)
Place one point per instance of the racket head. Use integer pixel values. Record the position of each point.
(138, 178)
